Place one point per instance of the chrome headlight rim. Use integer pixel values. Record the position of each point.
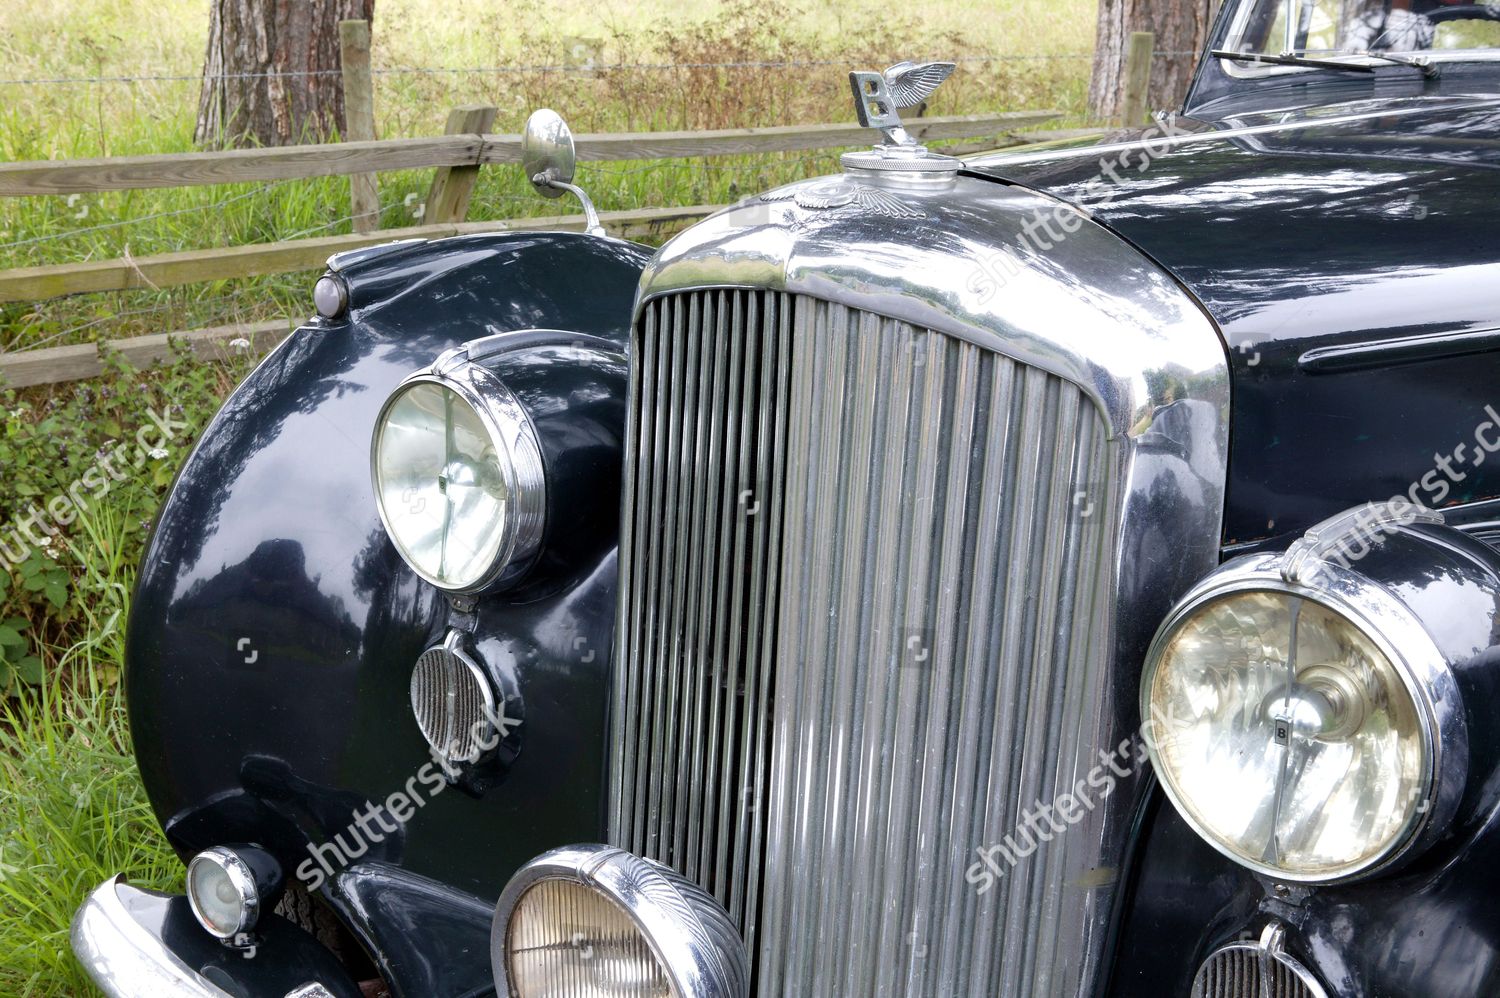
(688, 934)
(245, 885)
(1416, 659)
(510, 428)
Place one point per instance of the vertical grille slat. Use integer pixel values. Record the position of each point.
(856, 585)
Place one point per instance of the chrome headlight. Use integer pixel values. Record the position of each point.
(600, 922)
(1305, 723)
(458, 477)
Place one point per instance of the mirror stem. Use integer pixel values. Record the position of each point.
(591, 224)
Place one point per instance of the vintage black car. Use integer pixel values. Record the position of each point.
(1066, 573)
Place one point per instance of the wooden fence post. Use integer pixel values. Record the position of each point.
(1137, 78)
(359, 119)
(452, 186)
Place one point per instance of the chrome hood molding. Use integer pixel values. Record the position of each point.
(979, 261)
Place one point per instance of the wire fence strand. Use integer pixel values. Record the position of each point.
(581, 68)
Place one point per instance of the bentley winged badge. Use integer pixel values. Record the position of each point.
(878, 96)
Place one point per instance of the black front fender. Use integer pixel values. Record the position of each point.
(274, 627)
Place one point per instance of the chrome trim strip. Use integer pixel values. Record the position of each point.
(1398, 350)
(122, 958)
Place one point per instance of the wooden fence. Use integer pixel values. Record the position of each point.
(456, 157)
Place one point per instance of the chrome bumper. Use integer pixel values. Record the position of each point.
(123, 936)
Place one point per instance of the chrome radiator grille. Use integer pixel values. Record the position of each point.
(865, 610)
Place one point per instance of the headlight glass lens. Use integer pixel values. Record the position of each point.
(1286, 735)
(569, 941)
(444, 483)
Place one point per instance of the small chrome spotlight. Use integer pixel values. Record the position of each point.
(596, 920)
(229, 888)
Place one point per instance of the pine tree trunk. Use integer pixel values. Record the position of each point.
(1181, 28)
(271, 75)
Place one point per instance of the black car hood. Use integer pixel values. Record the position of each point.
(1315, 238)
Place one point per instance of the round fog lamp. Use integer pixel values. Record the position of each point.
(229, 888)
(458, 477)
(599, 921)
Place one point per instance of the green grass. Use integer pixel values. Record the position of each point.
(69, 791)
(71, 808)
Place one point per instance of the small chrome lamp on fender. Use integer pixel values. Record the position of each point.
(458, 476)
(1304, 710)
(592, 920)
(230, 888)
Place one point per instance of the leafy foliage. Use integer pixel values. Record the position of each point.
(71, 454)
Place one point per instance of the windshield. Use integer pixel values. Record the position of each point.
(1440, 28)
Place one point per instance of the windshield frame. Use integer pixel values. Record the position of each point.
(1241, 69)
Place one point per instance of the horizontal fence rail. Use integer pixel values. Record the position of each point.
(53, 365)
(120, 173)
(457, 157)
(260, 259)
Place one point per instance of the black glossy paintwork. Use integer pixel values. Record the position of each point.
(1327, 232)
(274, 627)
(419, 929)
(1428, 929)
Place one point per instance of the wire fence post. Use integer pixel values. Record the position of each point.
(359, 119)
(452, 186)
(1137, 77)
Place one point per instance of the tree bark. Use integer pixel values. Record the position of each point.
(271, 75)
(1181, 28)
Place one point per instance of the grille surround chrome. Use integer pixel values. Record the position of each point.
(1137, 359)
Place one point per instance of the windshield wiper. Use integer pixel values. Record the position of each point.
(1291, 60)
(1415, 62)
(1428, 69)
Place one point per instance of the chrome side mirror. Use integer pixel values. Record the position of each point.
(550, 161)
(547, 153)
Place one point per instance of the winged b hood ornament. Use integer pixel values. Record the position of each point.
(879, 96)
(898, 158)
